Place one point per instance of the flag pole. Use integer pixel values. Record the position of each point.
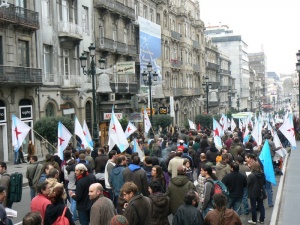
(43, 138)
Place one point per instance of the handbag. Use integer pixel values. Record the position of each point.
(62, 220)
(263, 193)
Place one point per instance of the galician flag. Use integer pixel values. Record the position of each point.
(79, 132)
(232, 124)
(217, 128)
(266, 160)
(130, 129)
(192, 125)
(147, 123)
(63, 138)
(223, 122)
(256, 132)
(281, 152)
(116, 134)
(19, 132)
(87, 135)
(287, 129)
(136, 148)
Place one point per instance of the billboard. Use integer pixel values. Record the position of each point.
(150, 47)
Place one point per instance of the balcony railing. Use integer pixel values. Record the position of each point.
(67, 27)
(212, 66)
(48, 78)
(116, 6)
(20, 16)
(106, 44)
(71, 80)
(196, 68)
(225, 72)
(175, 35)
(20, 75)
(196, 44)
(124, 84)
(122, 48)
(132, 50)
(197, 91)
(176, 63)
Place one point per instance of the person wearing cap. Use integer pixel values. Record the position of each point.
(3, 216)
(181, 146)
(81, 194)
(177, 189)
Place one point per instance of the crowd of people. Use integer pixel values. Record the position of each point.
(177, 176)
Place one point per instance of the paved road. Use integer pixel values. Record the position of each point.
(22, 207)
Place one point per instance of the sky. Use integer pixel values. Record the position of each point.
(271, 25)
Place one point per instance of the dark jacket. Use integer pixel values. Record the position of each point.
(177, 189)
(160, 209)
(55, 210)
(212, 154)
(235, 183)
(188, 215)
(117, 179)
(82, 192)
(138, 176)
(138, 211)
(255, 182)
(100, 162)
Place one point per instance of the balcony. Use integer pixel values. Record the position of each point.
(223, 88)
(106, 44)
(198, 23)
(124, 84)
(68, 81)
(212, 104)
(176, 63)
(132, 50)
(175, 35)
(215, 85)
(225, 72)
(122, 48)
(177, 92)
(20, 17)
(117, 7)
(20, 75)
(197, 91)
(69, 31)
(196, 44)
(212, 66)
(196, 68)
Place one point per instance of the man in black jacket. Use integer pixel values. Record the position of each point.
(235, 183)
(81, 195)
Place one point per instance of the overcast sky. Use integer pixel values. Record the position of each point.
(273, 25)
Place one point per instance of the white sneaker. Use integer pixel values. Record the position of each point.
(251, 222)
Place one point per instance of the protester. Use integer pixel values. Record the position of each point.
(40, 202)
(33, 172)
(32, 218)
(157, 175)
(3, 216)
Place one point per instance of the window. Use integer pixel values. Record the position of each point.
(48, 63)
(46, 10)
(125, 36)
(158, 18)
(65, 11)
(101, 35)
(21, 3)
(68, 11)
(85, 19)
(23, 53)
(50, 110)
(173, 25)
(151, 15)
(145, 12)
(66, 63)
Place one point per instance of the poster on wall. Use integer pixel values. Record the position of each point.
(150, 47)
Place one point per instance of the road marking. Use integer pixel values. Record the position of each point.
(18, 223)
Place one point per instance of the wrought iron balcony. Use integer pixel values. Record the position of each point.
(196, 68)
(106, 44)
(68, 81)
(175, 35)
(176, 63)
(116, 6)
(20, 75)
(196, 44)
(212, 66)
(20, 17)
(215, 85)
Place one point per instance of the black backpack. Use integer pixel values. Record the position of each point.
(15, 187)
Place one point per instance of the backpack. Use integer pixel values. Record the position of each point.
(15, 187)
(219, 188)
(62, 220)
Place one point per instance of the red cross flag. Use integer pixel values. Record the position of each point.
(63, 138)
(130, 129)
(19, 132)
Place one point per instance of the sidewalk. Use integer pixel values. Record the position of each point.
(20, 168)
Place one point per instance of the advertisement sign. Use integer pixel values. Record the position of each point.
(135, 117)
(126, 68)
(148, 111)
(26, 112)
(150, 47)
(107, 116)
(2, 114)
(163, 110)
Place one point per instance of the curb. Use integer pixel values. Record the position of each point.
(277, 204)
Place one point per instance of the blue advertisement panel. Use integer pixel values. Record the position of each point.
(150, 47)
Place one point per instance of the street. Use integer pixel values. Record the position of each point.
(22, 207)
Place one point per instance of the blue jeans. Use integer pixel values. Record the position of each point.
(235, 204)
(260, 206)
(16, 156)
(32, 192)
(73, 209)
(269, 191)
(84, 217)
(245, 201)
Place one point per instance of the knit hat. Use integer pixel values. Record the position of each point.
(119, 220)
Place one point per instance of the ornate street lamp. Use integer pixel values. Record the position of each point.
(238, 102)
(207, 86)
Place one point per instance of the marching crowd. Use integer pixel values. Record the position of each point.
(178, 175)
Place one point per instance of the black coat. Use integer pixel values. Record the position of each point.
(188, 215)
(235, 183)
(160, 209)
(255, 182)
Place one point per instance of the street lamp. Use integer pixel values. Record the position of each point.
(298, 70)
(251, 102)
(229, 98)
(92, 72)
(259, 105)
(238, 102)
(147, 80)
(207, 85)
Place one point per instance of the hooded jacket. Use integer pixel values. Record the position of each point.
(222, 170)
(212, 154)
(160, 209)
(117, 179)
(138, 176)
(255, 182)
(177, 189)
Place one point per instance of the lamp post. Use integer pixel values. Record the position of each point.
(92, 72)
(147, 79)
(251, 104)
(238, 102)
(207, 85)
(259, 107)
(298, 70)
(229, 98)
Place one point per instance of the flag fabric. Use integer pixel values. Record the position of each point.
(136, 148)
(87, 135)
(270, 129)
(223, 122)
(116, 134)
(287, 129)
(281, 152)
(79, 132)
(217, 128)
(218, 142)
(63, 138)
(130, 129)
(147, 122)
(232, 124)
(266, 160)
(256, 132)
(19, 132)
(240, 124)
(246, 135)
(192, 125)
